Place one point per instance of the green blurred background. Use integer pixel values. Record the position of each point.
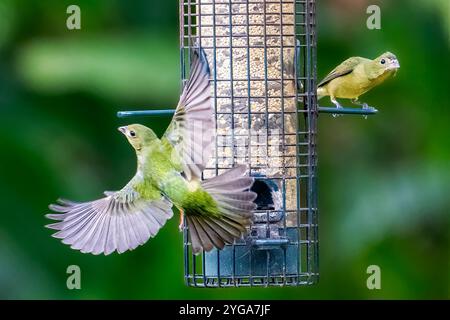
(384, 182)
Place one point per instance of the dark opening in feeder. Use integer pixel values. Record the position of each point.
(265, 191)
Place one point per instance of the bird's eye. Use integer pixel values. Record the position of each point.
(132, 133)
(383, 61)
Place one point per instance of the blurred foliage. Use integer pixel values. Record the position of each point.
(120, 75)
(383, 182)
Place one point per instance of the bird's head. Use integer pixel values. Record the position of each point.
(387, 63)
(138, 136)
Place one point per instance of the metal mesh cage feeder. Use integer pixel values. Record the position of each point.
(262, 60)
(262, 57)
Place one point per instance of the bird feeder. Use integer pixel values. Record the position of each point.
(257, 67)
(262, 57)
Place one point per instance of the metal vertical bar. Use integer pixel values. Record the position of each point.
(308, 88)
(230, 22)
(215, 86)
(186, 255)
(189, 30)
(315, 206)
(266, 98)
(311, 148)
(249, 123)
(216, 156)
(182, 75)
(268, 268)
(200, 45)
(198, 37)
(299, 250)
(185, 241)
(249, 120)
(189, 48)
(283, 137)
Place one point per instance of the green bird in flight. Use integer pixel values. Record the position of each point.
(355, 76)
(216, 211)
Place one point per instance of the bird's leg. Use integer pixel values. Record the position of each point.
(356, 101)
(336, 103)
(364, 105)
(180, 226)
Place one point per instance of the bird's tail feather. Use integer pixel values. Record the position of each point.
(231, 192)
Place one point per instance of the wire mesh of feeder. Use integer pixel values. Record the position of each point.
(263, 78)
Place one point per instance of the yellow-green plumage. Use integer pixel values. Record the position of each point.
(160, 168)
(169, 170)
(200, 203)
(355, 76)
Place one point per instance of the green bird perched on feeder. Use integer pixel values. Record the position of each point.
(217, 211)
(355, 76)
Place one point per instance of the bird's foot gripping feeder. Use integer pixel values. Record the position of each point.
(262, 57)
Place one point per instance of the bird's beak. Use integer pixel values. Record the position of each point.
(122, 129)
(394, 64)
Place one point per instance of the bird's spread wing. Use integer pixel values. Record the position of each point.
(341, 70)
(119, 222)
(191, 131)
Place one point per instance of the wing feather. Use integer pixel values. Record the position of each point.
(191, 131)
(119, 222)
(343, 69)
